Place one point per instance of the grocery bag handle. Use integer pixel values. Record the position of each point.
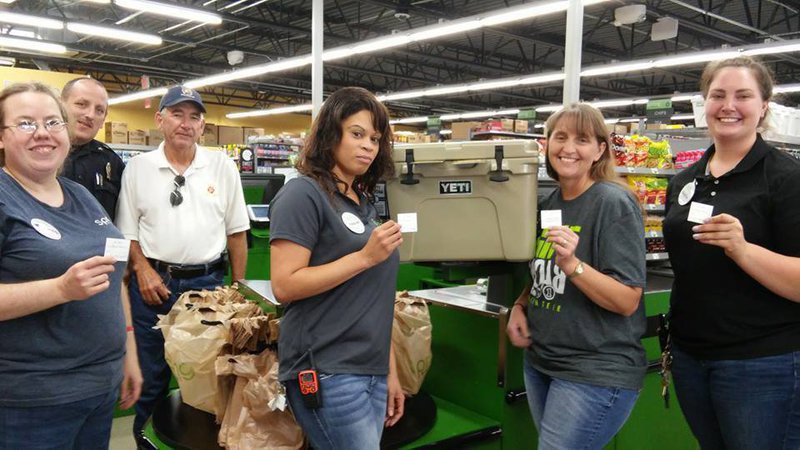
(211, 323)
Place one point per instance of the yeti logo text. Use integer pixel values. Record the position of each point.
(455, 187)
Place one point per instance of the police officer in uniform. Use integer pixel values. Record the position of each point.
(90, 162)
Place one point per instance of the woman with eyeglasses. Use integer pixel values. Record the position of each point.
(335, 266)
(63, 340)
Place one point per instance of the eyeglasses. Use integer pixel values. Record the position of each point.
(175, 197)
(30, 127)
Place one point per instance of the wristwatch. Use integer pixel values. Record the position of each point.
(578, 270)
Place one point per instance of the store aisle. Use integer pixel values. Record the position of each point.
(121, 434)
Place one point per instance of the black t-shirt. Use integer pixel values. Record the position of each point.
(98, 168)
(718, 311)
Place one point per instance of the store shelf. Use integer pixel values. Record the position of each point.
(507, 134)
(132, 147)
(654, 208)
(656, 256)
(645, 171)
(653, 234)
(781, 138)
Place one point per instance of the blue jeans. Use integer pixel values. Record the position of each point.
(740, 404)
(352, 413)
(84, 424)
(571, 415)
(150, 342)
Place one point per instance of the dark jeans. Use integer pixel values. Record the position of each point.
(744, 404)
(81, 425)
(150, 342)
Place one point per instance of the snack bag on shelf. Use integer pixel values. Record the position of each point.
(639, 186)
(659, 155)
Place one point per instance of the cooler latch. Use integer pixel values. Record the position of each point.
(409, 177)
(499, 174)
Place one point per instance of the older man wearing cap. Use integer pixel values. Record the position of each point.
(181, 206)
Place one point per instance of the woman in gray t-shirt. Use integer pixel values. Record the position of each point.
(582, 317)
(335, 266)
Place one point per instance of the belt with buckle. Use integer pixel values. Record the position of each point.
(188, 270)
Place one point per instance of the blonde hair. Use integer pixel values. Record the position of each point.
(20, 88)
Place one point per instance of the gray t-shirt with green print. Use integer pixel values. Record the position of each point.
(573, 338)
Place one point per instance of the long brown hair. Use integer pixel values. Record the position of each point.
(19, 88)
(317, 158)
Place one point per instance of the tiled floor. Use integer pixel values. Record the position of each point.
(121, 434)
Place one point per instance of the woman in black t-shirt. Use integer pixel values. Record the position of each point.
(730, 230)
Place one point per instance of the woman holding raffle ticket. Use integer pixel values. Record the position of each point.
(582, 316)
(64, 353)
(334, 266)
(731, 232)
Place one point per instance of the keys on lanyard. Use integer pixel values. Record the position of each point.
(665, 342)
(666, 375)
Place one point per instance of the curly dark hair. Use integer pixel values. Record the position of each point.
(317, 158)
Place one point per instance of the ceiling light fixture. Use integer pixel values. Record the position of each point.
(694, 58)
(32, 21)
(382, 43)
(282, 110)
(178, 12)
(617, 68)
(30, 44)
(141, 95)
(682, 117)
(114, 33)
(6, 61)
(786, 88)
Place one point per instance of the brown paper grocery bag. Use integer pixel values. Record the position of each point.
(252, 417)
(411, 337)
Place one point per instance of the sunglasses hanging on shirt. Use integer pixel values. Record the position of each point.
(175, 197)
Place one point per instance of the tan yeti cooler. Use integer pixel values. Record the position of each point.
(466, 209)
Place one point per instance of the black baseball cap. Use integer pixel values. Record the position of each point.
(180, 94)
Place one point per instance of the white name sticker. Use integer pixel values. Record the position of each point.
(353, 223)
(117, 248)
(551, 218)
(45, 229)
(699, 212)
(407, 222)
(686, 194)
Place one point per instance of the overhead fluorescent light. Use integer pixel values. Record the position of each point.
(178, 12)
(30, 44)
(248, 72)
(524, 13)
(6, 61)
(633, 120)
(32, 21)
(772, 49)
(445, 131)
(409, 120)
(682, 117)
(446, 29)
(695, 58)
(114, 33)
(611, 121)
(141, 95)
(786, 88)
(270, 112)
(612, 103)
(549, 108)
(682, 98)
(374, 46)
(616, 68)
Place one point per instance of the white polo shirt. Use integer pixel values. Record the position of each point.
(194, 232)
